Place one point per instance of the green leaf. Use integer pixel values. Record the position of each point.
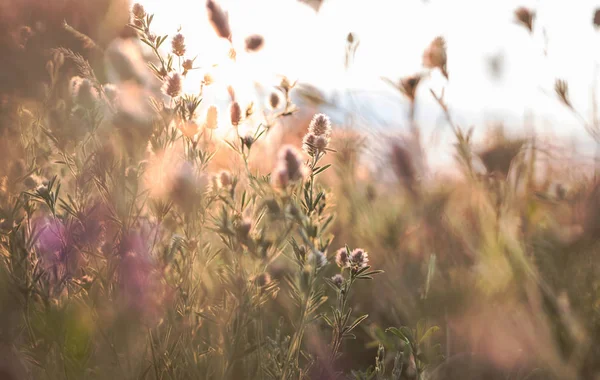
(357, 322)
(427, 335)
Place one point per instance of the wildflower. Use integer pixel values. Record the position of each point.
(225, 179)
(308, 144)
(187, 65)
(403, 164)
(178, 45)
(243, 229)
(249, 109)
(317, 258)
(408, 86)
(286, 85)
(83, 92)
(207, 80)
(562, 90)
(274, 100)
(435, 55)
(219, 19)
(342, 258)
(281, 178)
(189, 128)
(337, 280)
(235, 113)
(290, 167)
(596, 20)
(231, 93)
(212, 116)
(359, 258)
(173, 84)
(525, 16)
(254, 42)
(262, 280)
(314, 145)
(320, 125)
(138, 11)
(248, 140)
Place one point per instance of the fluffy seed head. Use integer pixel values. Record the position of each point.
(187, 65)
(289, 158)
(359, 258)
(308, 144)
(173, 85)
(337, 280)
(83, 92)
(525, 17)
(435, 55)
(212, 117)
(342, 258)
(274, 100)
(138, 11)
(225, 179)
(254, 42)
(178, 45)
(320, 125)
(317, 258)
(235, 113)
(219, 19)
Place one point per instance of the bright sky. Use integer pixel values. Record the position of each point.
(309, 46)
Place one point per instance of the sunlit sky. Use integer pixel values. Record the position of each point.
(307, 45)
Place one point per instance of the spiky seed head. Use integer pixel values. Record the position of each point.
(178, 45)
(212, 117)
(235, 113)
(219, 19)
(337, 280)
(254, 42)
(359, 258)
(173, 85)
(561, 88)
(320, 125)
(342, 258)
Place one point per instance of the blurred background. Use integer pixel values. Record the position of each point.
(500, 73)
